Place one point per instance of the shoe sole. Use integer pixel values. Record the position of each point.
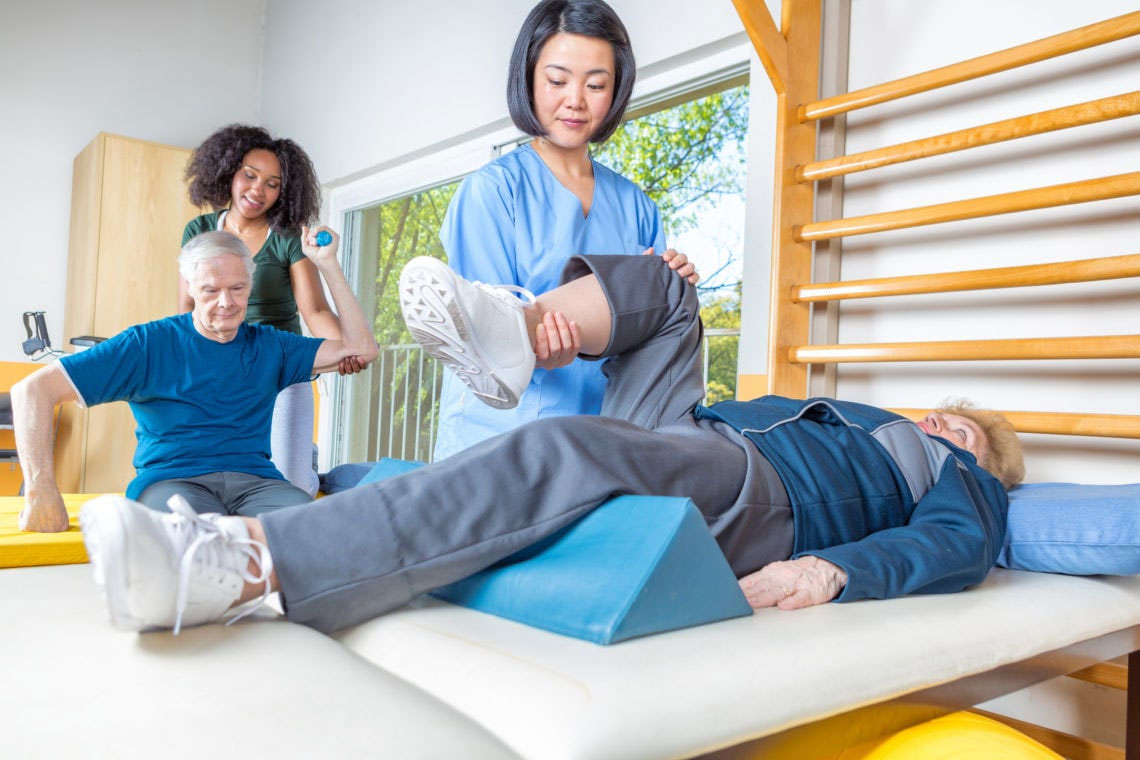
(437, 321)
(105, 536)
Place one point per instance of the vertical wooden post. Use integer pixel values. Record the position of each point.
(1132, 721)
(834, 38)
(790, 56)
(789, 323)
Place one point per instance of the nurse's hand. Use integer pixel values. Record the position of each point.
(679, 263)
(556, 341)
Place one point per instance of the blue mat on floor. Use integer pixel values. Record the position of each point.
(634, 566)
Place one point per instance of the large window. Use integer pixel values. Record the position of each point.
(688, 156)
(690, 159)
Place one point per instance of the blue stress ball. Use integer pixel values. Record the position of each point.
(323, 238)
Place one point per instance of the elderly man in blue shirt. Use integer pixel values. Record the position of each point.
(201, 387)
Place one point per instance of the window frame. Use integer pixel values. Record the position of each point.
(680, 77)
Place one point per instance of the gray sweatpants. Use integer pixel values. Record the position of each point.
(361, 553)
(228, 493)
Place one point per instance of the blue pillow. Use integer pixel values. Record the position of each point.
(344, 476)
(1073, 529)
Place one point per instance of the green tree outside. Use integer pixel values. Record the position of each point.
(686, 158)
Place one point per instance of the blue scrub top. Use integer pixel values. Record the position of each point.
(513, 223)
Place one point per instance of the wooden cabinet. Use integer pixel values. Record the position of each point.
(128, 208)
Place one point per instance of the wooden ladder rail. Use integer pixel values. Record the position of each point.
(1081, 114)
(1085, 37)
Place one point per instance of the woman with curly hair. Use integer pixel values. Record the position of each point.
(265, 191)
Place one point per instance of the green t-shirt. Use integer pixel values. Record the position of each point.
(271, 299)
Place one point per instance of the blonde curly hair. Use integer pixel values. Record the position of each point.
(1002, 457)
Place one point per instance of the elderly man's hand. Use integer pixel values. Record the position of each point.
(43, 513)
(794, 583)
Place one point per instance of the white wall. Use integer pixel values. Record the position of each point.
(894, 38)
(361, 84)
(166, 72)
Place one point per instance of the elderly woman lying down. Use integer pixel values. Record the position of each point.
(810, 501)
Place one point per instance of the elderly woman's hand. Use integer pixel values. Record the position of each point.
(794, 583)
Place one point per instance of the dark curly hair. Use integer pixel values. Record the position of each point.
(213, 164)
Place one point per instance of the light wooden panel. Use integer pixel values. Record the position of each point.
(1084, 191)
(140, 233)
(144, 209)
(1087, 347)
(129, 206)
(1049, 47)
(749, 387)
(1066, 745)
(1105, 674)
(79, 314)
(770, 45)
(792, 202)
(1091, 112)
(1081, 270)
(1060, 423)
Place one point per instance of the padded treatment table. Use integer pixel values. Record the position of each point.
(693, 691)
(75, 687)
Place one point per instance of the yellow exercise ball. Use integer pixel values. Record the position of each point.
(957, 736)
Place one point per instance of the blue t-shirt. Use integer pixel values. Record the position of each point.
(201, 406)
(513, 223)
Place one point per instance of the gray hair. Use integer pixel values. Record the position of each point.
(210, 245)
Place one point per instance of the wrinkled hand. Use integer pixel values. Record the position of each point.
(43, 513)
(318, 254)
(556, 341)
(794, 583)
(350, 365)
(679, 263)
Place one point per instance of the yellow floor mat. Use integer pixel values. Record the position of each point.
(19, 549)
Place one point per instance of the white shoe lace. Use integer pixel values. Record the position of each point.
(502, 292)
(216, 544)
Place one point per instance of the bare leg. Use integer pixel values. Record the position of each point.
(251, 590)
(583, 303)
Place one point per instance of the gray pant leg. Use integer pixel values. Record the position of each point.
(205, 493)
(228, 493)
(363, 552)
(653, 361)
(250, 495)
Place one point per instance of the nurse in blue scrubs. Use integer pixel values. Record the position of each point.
(518, 219)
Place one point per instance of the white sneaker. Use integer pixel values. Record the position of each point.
(166, 570)
(477, 330)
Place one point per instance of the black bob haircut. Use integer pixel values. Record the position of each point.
(214, 163)
(588, 18)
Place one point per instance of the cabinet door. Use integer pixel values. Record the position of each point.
(142, 212)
